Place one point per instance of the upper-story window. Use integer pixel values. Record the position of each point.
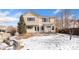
(30, 19)
(45, 19)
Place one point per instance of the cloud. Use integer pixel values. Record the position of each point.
(56, 11)
(4, 13)
(71, 16)
(7, 19)
(18, 14)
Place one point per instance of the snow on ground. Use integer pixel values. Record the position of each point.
(51, 42)
(4, 46)
(47, 42)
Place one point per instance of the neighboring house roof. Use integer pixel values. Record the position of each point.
(2, 27)
(7, 28)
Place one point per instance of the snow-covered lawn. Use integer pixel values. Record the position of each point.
(51, 42)
(47, 42)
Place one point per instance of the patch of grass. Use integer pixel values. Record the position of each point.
(24, 36)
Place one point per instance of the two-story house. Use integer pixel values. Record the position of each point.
(36, 23)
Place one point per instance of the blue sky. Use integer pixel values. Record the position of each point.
(10, 17)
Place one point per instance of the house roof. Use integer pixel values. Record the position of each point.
(35, 14)
(31, 13)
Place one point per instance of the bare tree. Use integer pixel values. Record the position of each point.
(64, 16)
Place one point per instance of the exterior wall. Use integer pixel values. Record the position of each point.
(54, 29)
(38, 22)
(31, 22)
(31, 30)
(52, 21)
(46, 29)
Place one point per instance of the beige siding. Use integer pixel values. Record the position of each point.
(38, 22)
(31, 30)
(31, 22)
